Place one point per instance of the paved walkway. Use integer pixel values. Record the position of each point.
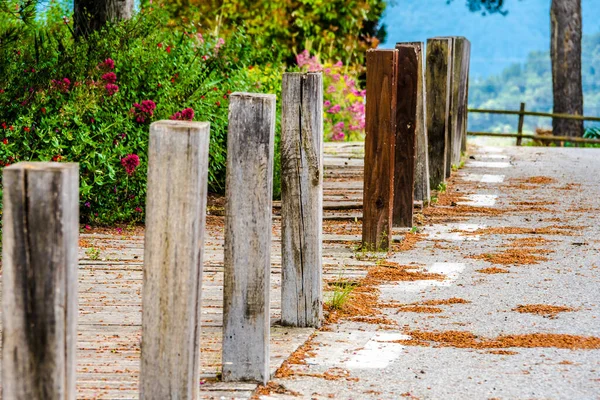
(110, 284)
(499, 296)
(517, 227)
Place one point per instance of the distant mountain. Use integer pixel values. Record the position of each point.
(496, 41)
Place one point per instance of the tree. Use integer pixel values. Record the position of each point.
(91, 15)
(336, 29)
(565, 50)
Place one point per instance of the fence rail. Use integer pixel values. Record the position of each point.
(520, 135)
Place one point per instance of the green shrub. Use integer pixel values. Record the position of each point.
(91, 101)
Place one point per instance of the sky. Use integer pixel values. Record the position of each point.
(496, 41)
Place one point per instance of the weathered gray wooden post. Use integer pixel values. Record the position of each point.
(405, 145)
(301, 199)
(464, 93)
(378, 195)
(460, 68)
(248, 218)
(422, 189)
(39, 294)
(173, 252)
(438, 78)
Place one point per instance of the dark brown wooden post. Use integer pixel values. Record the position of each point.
(378, 194)
(39, 294)
(301, 199)
(422, 190)
(521, 121)
(438, 78)
(173, 250)
(248, 225)
(406, 124)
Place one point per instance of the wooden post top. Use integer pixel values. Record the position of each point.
(42, 166)
(255, 95)
(304, 73)
(176, 125)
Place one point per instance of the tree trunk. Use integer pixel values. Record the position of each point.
(565, 48)
(92, 15)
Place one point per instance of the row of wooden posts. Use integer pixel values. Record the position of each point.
(40, 233)
(416, 122)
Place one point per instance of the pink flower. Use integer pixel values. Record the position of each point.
(109, 77)
(62, 85)
(107, 64)
(111, 88)
(130, 162)
(220, 42)
(200, 38)
(87, 227)
(326, 103)
(143, 111)
(138, 209)
(339, 64)
(331, 89)
(335, 109)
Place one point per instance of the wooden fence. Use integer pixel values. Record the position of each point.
(40, 232)
(544, 138)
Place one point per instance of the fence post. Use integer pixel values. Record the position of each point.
(173, 252)
(378, 196)
(460, 70)
(406, 131)
(301, 199)
(422, 190)
(466, 63)
(39, 294)
(438, 80)
(248, 216)
(521, 121)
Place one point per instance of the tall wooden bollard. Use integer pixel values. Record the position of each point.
(248, 218)
(301, 199)
(39, 294)
(378, 196)
(422, 190)
(460, 67)
(464, 96)
(406, 125)
(173, 252)
(438, 77)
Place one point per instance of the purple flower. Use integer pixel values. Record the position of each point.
(87, 204)
(130, 162)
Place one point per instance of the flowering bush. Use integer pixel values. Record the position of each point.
(344, 101)
(91, 101)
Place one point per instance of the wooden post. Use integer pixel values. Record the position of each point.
(39, 294)
(464, 111)
(438, 80)
(406, 125)
(248, 215)
(378, 196)
(301, 199)
(452, 101)
(173, 251)
(521, 121)
(459, 96)
(422, 190)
